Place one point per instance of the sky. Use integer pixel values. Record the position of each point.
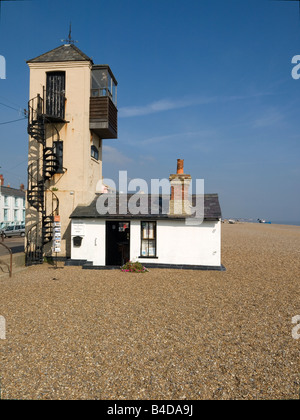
(207, 81)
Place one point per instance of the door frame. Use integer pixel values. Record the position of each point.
(115, 243)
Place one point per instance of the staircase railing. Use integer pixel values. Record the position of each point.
(40, 232)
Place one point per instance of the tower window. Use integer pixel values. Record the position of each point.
(94, 153)
(59, 149)
(103, 83)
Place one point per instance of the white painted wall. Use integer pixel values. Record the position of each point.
(93, 242)
(13, 207)
(177, 243)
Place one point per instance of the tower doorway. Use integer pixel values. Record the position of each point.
(55, 94)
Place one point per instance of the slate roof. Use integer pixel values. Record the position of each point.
(152, 206)
(12, 192)
(67, 52)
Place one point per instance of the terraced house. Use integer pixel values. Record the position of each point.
(12, 205)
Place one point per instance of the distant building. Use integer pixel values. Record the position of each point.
(12, 205)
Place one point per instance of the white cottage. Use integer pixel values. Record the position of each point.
(162, 233)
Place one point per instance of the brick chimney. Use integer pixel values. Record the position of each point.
(180, 184)
(1, 180)
(22, 187)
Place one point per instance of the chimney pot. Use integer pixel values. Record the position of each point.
(180, 166)
(180, 182)
(1, 180)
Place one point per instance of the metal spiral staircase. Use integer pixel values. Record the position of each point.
(44, 164)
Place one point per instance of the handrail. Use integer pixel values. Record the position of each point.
(39, 233)
(8, 266)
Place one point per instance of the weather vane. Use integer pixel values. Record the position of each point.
(69, 40)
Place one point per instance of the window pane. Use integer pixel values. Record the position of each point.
(144, 248)
(151, 230)
(144, 230)
(151, 248)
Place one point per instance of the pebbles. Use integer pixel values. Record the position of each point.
(166, 334)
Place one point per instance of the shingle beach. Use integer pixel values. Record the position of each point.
(166, 334)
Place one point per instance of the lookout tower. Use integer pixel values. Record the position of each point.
(72, 109)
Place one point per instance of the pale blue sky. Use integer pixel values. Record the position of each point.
(205, 81)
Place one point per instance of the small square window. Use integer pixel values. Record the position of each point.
(94, 153)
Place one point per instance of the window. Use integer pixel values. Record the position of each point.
(59, 151)
(94, 152)
(6, 200)
(16, 215)
(16, 202)
(148, 239)
(5, 215)
(103, 83)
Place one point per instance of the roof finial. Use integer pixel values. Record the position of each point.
(69, 40)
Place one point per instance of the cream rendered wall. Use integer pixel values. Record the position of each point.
(78, 184)
(177, 243)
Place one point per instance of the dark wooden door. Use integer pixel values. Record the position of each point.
(55, 94)
(117, 243)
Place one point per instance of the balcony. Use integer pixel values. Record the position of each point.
(50, 108)
(103, 117)
(103, 103)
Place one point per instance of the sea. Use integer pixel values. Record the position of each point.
(273, 222)
(280, 222)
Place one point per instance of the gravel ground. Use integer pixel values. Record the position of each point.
(166, 334)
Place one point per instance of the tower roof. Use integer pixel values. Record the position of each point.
(66, 52)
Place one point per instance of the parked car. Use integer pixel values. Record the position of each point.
(4, 225)
(17, 230)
